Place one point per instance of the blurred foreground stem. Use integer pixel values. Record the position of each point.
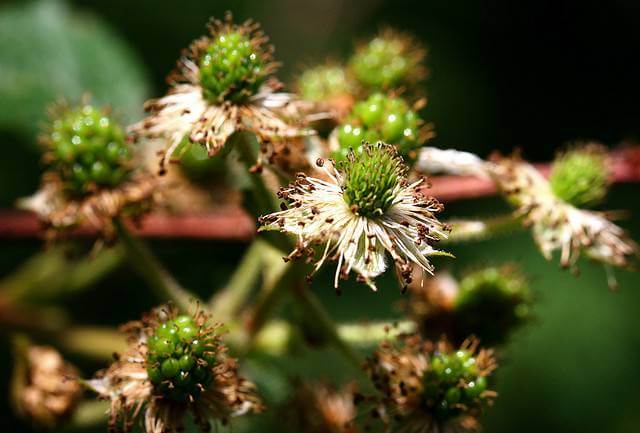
(152, 271)
(225, 304)
(479, 230)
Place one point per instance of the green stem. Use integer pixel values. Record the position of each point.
(226, 303)
(152, 271)
(273, 296)
(479, 230)
(316, 312)
(247, 147)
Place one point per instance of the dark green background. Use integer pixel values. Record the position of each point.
(503, 74)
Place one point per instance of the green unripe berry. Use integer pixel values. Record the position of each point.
(580, 176)
(475, 388)
(179, 365)
(379, 118)
(385, 62)
(323, 83)
(170, 367)
(490, 303)
(453, 395)
(453, 384)
(88, 150)
(371, 179)
(231, 68)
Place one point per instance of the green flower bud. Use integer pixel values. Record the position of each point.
(380, 118)
(581, 175)
(387, 61)
(87, 150)
(372, 178)
(232, 67)
(177, 364)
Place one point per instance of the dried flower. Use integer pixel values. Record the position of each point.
(381, 118)
(366, 209)
(389, 60)
(90, 173)
(174, 365)
(429, 387)
(222, 85)
(47, 390)
(319, 408)
(557, 225)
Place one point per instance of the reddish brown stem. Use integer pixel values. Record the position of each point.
(235, 224)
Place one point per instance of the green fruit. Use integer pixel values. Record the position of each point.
(87, 148)
(170, 367)
(231, 68)
(371, 178)
(178, 363)
(385, 62)
(379, 118)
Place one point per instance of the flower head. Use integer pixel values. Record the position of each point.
(556, 224)
(48, 390)
(175, 364)
(90, 174)
(430, 387)
(381, 118)
(222, 85)
(366, 209)
(388, 60)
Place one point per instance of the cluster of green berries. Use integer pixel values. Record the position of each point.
(180, 358)
(580, 176)
(490, 303)
(231, 68)
(379, 118)
(88, 150)
(323, 83)
(453, 384)
(371, 178)
(383, 63)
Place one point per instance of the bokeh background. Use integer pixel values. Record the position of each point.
(503, 74)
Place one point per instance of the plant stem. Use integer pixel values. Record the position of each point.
(479, 230)
(152, 271)
(226, 303)
(317, 313)
(273, 296)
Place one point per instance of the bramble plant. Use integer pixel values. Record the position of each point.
(360, 200)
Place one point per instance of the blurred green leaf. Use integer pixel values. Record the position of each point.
(48, 52)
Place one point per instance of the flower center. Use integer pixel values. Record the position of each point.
(88, 150)
(231, 68)
(372, 176)
(580, 176)
(379, 118)
(180, 358)
(453, 383)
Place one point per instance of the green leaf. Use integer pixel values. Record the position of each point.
(48, 52)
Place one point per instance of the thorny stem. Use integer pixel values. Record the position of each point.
(152, 271)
